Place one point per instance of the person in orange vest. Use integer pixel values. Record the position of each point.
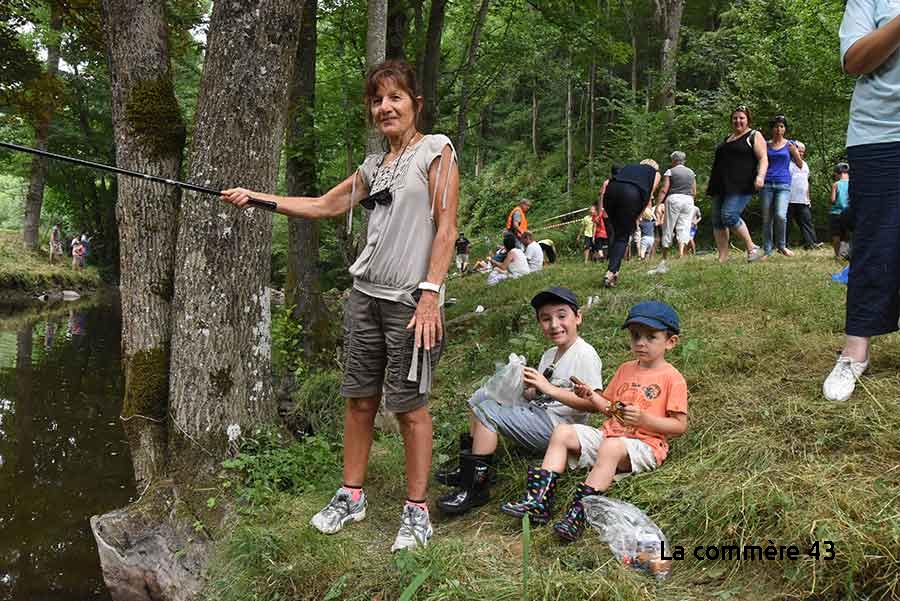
(517, 222)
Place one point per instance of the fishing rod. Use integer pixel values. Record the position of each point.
(263, 204)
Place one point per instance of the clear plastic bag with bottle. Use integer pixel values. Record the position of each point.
(632, 536)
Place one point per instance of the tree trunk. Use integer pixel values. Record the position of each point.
(149, 134)
(303, 290)
(397, 26)
(570, 146)
(221, 347)
(592, 108)
(482, 134)
(376, 46)
(419, 32)
(670, 18)
(632, 30)
(468, 67)
(432, 68)
(35, 198)
(534, 121)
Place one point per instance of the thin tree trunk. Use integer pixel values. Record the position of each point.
(592, 108)
(534, 121)
(482, 135)
(35, 198)
(632, 30)
(221, 347)
(149, 133)
(468, 67)
(419, 32)
(397, 27)
(303, 290)
(432, 68)
(570, 146)
(376, 46)
(671, 27)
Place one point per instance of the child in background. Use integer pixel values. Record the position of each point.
(647, 228)
(646, 402)
(840, 204)
(587, 233)
(550, 396)
(77, 254)
(695, 221)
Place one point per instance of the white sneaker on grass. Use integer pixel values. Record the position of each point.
(415, 529)
(841, 381)
(340, 511)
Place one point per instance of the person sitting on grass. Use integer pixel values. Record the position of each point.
(513, 265)
(646, 401)
(550, 397)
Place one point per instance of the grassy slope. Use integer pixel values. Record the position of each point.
(31, 272)
(765, 458)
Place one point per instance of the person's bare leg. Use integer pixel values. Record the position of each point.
(359, 422)
(681, 250)
(563, 442)
(721, 237)
(611, 456)
(856, 347)
(416, 428)
(836, 244)
(742, 232)
(484, 442)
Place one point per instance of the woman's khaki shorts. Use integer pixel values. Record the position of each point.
(378, 352)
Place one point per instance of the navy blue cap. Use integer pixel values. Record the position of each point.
(656, 314)
(555, 294)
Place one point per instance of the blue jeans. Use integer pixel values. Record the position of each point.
(773, 201)
(727, 209)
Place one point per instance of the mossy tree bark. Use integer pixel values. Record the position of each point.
(669, 14)
(304, 291)
(150, 135)
(221, 355)
(397, 28)
(38, 176)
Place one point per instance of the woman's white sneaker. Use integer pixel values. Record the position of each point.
(340, 511)
(841, 381)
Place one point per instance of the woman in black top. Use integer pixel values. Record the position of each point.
(738, 171)
(626, 196)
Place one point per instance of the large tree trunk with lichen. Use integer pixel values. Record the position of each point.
(149, 135)
(221, 355)
(35, 198)
(397, 28)
(303, 290)
(431, 68)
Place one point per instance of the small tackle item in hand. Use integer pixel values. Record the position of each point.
(616, 410)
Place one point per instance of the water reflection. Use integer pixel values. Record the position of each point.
(63, 454)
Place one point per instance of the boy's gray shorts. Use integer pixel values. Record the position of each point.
(529, 426)
(378, 352)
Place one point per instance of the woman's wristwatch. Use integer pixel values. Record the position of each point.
(436, 288)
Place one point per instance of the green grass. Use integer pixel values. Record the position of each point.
(29, 272)
(766, 458)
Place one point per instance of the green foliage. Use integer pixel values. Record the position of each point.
(287, 342)
(318, 403)
(266, 466)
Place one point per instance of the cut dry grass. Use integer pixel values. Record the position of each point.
(766, 458)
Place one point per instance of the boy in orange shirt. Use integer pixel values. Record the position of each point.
(646, 401)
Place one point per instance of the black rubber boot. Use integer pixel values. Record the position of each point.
(474, 490)
(450, 476)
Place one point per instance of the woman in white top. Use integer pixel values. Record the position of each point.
(799, 210)
(514, 265)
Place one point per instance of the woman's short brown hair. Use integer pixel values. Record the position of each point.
(398, 71)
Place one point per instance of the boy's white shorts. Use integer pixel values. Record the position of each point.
(639, 452)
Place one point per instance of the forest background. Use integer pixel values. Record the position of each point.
(541, 98)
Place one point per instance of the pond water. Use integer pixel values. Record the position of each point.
(63, 454)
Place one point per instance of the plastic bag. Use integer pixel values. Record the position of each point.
(505, 386)
(631, 535)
